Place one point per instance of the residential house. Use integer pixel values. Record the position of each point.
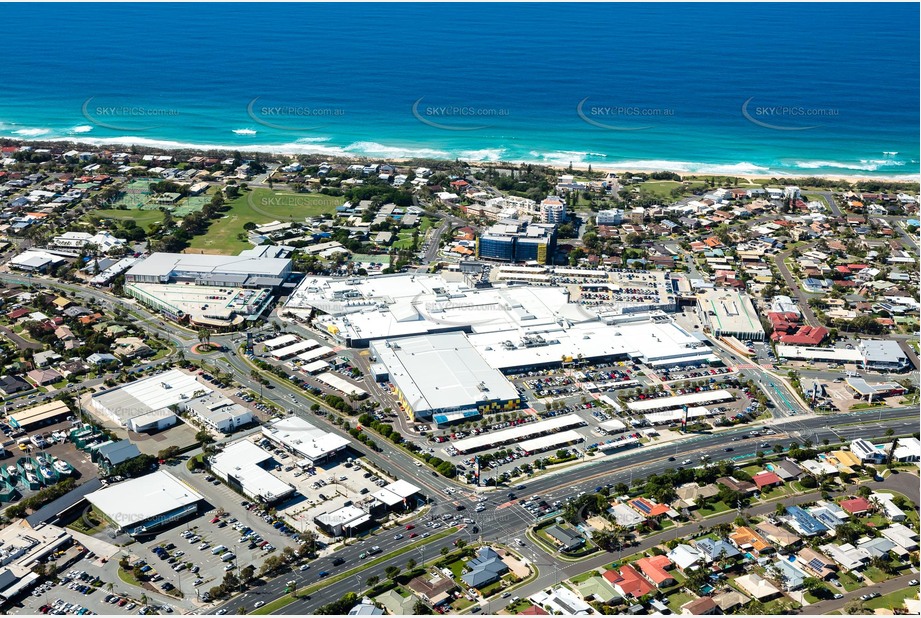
(743, 487)
(41, 377)
(566, 540)
(714, 550)
(757, 587)
(625, 516)
(704, 606)
(397, 604)
(689, 493)
(562, 600)
(656, 568)
(787, 574)
(628, 582)
(766, 479)
(485, 569)
(778, 536)
(131, 347)
(847, 556)
(787, 470)
(10, 385)
(804, 523)
(816, 564)
(597, 588)
(685, 557)
(434, 589)
(901, 535)
(45, 358)
(747, 539)
(730, 600)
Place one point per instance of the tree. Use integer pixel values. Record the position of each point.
(391, 572)
(410, 564)
(168, 453)
(372, 581)
(421, 609)
(248, 573)
(203, 437)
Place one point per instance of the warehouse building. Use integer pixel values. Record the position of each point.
(147, 503)
(245, 467)
(144, 406)
(441, 374)
(39, 416)
(728, 313)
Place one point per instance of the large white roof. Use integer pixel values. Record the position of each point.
(519, 432)
(241, 461)
(303, 438)
(442, 372)
(547, 442)
(154, 393)
(665, 403)
(137, 500)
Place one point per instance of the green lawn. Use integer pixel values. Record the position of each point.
(578, 579)
(892, 600)
(143, 218)
(875, 574)
(663, 188)
(676, 600)
(713, 508)
(259, 206)
(849, 582)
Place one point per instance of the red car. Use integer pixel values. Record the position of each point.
(413, 535)
(215, 520)
(409, 526)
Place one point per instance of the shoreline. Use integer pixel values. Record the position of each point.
(310, 148)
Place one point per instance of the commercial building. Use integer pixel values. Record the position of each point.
(728, 313)
(144, 405)
(518, 433)
(304, 440)
(399, 494)
(44, 414)
(208, 290)
(245, 467)
(218, 412)
(211, 270)
(436, 374)
(342, 385)
(344, 521)
(104, 241)
(513, 240)
(883, 355)
(22, 548)
(147, 503)
(35, 260)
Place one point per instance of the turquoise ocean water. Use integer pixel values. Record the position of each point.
(756, 88)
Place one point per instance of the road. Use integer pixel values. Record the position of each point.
(505, 520)
(808, 315)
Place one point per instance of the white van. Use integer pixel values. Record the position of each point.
(218, 549)
(228, 557)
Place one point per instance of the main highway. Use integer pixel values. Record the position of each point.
(504, 519)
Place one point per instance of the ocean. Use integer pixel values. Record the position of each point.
(779, 89)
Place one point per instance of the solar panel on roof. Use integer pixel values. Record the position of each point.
(816, 565)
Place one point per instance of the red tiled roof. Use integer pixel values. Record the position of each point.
(855, 505)
(764, 479)
(806, 335)
(534, 610)
(630, 581)
(655, 568)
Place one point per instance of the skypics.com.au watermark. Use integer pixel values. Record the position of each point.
(456, 117)
(613, 117)
(291, 117)
(120, 117)
(786, 117)
(291, 207)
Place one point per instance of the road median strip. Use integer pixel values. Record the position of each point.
(289, 598)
